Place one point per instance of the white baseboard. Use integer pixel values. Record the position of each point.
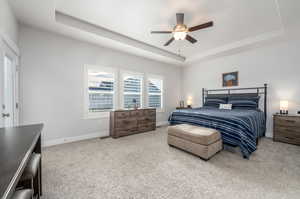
(74, 139)
(86, 137)
(269, 134)
(162, 123)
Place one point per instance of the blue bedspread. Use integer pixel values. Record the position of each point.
(238, 127)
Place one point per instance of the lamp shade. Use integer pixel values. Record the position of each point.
(284, 105)
(189, 101)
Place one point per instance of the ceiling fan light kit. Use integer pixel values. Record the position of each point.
(180, 31)
(179, 35)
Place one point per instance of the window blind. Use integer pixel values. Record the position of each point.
(100, 90)
(132, 91)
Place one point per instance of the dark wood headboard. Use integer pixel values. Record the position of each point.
(246, 92)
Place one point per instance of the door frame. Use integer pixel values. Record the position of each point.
(9, 49)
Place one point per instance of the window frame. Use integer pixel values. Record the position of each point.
(159, 77)
(123, 73)
(102, 114)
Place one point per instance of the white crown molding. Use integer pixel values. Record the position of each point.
(235, 45)
(106, 33)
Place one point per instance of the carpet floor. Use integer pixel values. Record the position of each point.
(143, 166)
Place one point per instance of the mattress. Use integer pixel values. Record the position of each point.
(238, 127)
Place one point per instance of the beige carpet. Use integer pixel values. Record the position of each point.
(144, 166)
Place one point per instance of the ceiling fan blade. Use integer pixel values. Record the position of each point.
(161, 32)
(190, 39)
(202, 26)
(168, 42)
(180, 18)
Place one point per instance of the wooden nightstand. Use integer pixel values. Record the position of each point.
(286, 129)
(178, 108)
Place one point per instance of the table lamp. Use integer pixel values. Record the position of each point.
(189, 102)
(284, 105)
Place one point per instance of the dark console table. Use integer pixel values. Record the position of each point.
(16, 146)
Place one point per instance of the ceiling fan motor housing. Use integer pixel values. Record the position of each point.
(180, 28)
(180, 32)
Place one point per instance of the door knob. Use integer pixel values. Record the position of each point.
(5, 115)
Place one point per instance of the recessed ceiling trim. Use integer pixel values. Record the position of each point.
(236, 45)
(103, 32)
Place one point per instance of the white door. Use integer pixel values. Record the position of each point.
(9, 92)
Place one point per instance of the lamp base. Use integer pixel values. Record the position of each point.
(284, 112)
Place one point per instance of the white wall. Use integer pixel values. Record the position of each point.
(8, 22)
(277, 64)
(52, 82)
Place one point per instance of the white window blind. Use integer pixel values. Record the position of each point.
(155, 93)
(100, 90)
(132, 90)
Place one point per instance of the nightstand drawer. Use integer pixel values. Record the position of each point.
(290, 130)
(284, 134)
(287, 139)
(287, 121)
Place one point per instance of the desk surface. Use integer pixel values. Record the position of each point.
(16, 146)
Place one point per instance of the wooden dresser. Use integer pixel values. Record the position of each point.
(128, 122)
(287, 129)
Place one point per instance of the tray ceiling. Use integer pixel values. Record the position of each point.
(235, 21)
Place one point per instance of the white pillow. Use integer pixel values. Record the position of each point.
(225, 106)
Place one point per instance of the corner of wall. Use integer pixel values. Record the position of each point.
(8, 22)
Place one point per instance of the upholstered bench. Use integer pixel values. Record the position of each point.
(201, 141)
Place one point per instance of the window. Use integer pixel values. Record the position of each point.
(132, 86)
(100, 90)
(155, 92)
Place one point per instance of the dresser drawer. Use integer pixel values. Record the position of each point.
(146, 127)
(150, 112)
(124, 132)
(146, 120)
(126, 123)
(287, 121)
(136, 113)
(122, 114)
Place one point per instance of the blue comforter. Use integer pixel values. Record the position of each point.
(239, 127)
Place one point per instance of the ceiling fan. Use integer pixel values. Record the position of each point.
(180, 31)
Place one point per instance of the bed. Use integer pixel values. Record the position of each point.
(239, 127)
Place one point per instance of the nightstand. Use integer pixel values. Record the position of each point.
(286, 128)
(178, 108)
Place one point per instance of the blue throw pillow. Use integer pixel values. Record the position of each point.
(214, 102)
(243, 104)
(248, 98)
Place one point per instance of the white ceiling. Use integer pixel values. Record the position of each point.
(235, 21)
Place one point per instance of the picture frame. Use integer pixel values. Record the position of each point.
(230, 79)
